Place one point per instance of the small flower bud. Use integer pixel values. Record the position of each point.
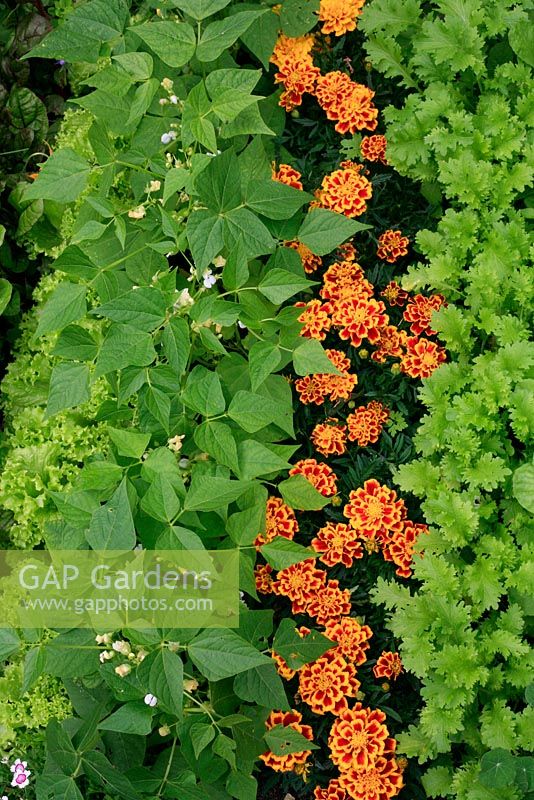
(164, 730)
(190, 684)
(123, 670)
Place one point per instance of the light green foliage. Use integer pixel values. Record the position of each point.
(466, 132)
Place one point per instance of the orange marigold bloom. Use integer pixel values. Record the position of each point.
(346, 191)
(394, 294)
(299, 583)
(347, 102)
(392, 245)
(289, 719)
(391, 343)
(401, 547)
(310, 261)
(329, 438)
(347, 252)
(339, 16)
(329, 602)
(288, 175)
(337, 544)
(365, 424)
(343, 280)
(298, 78)
(292, 47)
(373, 148)
(315, 319)
(263, 578)
(357, 738)
(374, 511)
(326, 683)
(351, 637)
(419, 312)
(388, 665)
(422, 357)
(360, 319)
(339, 387)
(332, 792)
(280, 520)
(382, 780)
(320, 475)
(311, 389)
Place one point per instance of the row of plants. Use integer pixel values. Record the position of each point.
(116, 332)
(221, 359)
(465, 132)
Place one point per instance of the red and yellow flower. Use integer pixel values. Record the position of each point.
(374, 511)
(332, 792)
(366, 423)
(358, 738)
(263, 578)
(329, 602)
(280, 520)
(288, 175)
(337, 543)
(394, 295)
(390, 344)
(339, 16)
(351, 637)
(392, 245)
(315, 319)
(401, 547)
(343, 280)
(310, 261)
(381, 781)
(345, 190)
(299, 583)
(319, 474)
(419, 312)
(373, 148)
(329, 438)
(422, 357)
(388, 665)
(360, 319)
(326, 683)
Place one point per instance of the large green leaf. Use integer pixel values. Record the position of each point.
(205, 236)
(297, 650)
(99, 769)
(200, 9)
(299, 493)
(9, 643)
(219, 36)
(124, 346)
(134, 717)
(85, 29)
(203, 392)
(323, 230)
(309, 358)
(173, 42)
(112, 526)
(275, 200)
(143, 308)
(162, 674)
(278, 285)
(69, 387)
(223, 653)
(62, 178)
(282, 553)
(262, 686)
(66, 304)
(211, 494)
(523, 486)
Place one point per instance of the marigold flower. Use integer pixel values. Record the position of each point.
(346, 191)
(329, 438)
(422, 357)
(380, 781)
(347, 252)
(343, 280)
(388, 665)
(320, 475)
(310, 261)
(263, 578)
(298, 78)
(299, 583)
(311, 389)
(390, 344)
(280, 520)
(351, 637)
(357, 738)
(329, 602)
(359, 319)
(326, 683)
(315, 319)
(346, 102)
(337, 543)
(292, 47)
(288, 175)
(373, 148)
(339, 387)
(365, 424)
(419, 312)
(374, 511)
(392, 245)
(287, 763)
(394, 295)
(401, 547)
(332, 792)
(339, 16)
